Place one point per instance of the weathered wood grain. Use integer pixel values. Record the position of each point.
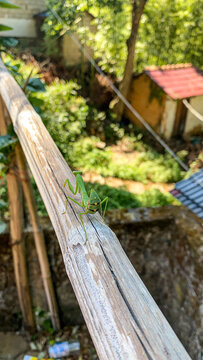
(124, 321)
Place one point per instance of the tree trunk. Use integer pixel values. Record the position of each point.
(137, 10)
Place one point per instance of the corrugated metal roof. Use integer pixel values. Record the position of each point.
(178, 81)
(190, 192)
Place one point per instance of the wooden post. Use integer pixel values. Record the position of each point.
(38, 237)
(124, 321)
(17, 241)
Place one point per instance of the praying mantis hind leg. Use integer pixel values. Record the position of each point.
(83, 225)
(105, 201)
(68, 197)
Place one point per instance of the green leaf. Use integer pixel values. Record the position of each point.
(35, 85)
(13, 67)
(36, 102)
(8, 4)
(8, 42)
(3, 204)
(5, 27)
(2, 158)
(2, 227)
(7, 140)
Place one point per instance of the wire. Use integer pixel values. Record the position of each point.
(118, 93)
(192, 110)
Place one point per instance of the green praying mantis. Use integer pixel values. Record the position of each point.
(91, 203)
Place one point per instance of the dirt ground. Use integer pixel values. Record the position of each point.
(15, 345)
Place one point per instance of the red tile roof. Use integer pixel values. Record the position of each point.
(178, 81)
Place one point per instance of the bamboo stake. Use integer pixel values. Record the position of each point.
(38, 234)
(38, 237)
(17, 241)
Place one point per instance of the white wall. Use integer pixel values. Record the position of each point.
(193, 125)
(71, 52)
(21, 27)
(168, 118)
(21, 19)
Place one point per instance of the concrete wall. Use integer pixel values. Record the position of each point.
(148, 100)
(22, 19)
(72, 55)
(193, 125)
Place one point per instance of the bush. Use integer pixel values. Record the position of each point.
(3, 202)
(87, 154)
(121, 198)
(118, 198)
(64, 114)
(154, 197)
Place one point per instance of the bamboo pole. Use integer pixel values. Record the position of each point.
(17, 241)
(37, 232)
(38, 237)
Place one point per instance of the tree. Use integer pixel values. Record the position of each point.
(137, 10)
(170, 32)
(164, 32)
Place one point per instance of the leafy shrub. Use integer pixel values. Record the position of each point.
(154, 197)
(148, 165)
(3, 201)
(87, 155)
(121, 198)
(28, 78)
(64, 113)
(158, 168)
(124, 171)
(118, 198)
(68, 117)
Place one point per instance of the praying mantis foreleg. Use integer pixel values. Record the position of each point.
(77, 188)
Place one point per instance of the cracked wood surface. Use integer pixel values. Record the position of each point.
(123, 320)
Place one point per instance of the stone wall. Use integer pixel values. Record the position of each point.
(165, 247)
(21, 20)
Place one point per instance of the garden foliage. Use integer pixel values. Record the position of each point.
(170, 31)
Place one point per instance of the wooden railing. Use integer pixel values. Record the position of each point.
(123, 320)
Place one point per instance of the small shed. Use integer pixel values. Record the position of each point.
(158, 95)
